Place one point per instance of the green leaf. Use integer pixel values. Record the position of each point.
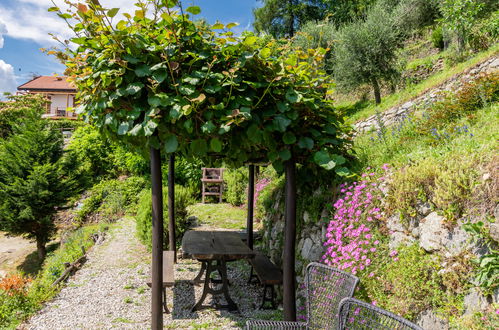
(193, 10)
(150, 127)
(289, 138)
(293, 96)
(338, 159)
(212, 89)
(112, 12)
(216, 145)
(154, 101)
(217, 26)
(231, 25)
(143, 70)
(65, 16)
(79, 41)
(187, 90)
(254, 133)
(265, 52)
(191, 80)
(306, 143)
(330, 129)
(188, 126)
(322, 159)
(249, 41)
(342, 171)
(285, 154)
(160, 75)
(171, 144)
(131, 59)
(278, 166)
(134, 88)
(281, 123)
(282, 106)
(208, 127)
(123, 128)
(53, 9)
(136, 130)
(199, 147)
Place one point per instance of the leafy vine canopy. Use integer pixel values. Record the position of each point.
(160, 78)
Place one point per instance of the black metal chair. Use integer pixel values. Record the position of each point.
(326, 286)
(356, 314)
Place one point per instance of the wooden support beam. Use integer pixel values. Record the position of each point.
(171, 207)
(157, 241)
(289, 299)
(251, 206)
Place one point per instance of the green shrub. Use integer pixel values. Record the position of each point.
(406, 284)
(237, 185)
(437, 37)
(485, 33)
(183, 198)
(187, 173)
(446, 185)
(111, 199)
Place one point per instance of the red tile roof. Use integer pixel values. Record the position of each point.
(48, 83)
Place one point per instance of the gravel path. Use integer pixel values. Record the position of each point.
(110, 292)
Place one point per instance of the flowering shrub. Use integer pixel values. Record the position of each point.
(14, 284)
(352, 237)
(260, 185)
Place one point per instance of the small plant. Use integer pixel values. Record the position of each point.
(488, 264)
(128, 300)
(128, 287)
(437, 38)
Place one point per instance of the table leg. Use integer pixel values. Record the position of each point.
(221, 267)
(199, 277)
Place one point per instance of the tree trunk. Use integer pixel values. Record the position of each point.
(41, 249)
(291, 30)
(377, 93)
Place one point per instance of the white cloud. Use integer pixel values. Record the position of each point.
(29, 19)
(7, 78)
(3, 30)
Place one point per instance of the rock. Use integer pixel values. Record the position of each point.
(429, 321)
(307, 246)
(397, 238)
(474, 302)
(496, 213)
(432, 231)
(394, 223)
(494, 231)
(423, 209)
(494, 64)
(306, 217)
(407, 105)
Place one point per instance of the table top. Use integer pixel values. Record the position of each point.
(215, 245)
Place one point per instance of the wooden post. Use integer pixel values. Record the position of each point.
(251, 194)
(289, 301)
(171, 207)
(157, 241)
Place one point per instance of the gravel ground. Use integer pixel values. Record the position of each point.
(110, 291)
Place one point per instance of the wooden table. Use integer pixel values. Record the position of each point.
(213, 249)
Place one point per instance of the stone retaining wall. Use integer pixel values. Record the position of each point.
(455, 83)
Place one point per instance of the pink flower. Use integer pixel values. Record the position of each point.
(371, 274)
(376, 242)
(393, 253)
(374, 302)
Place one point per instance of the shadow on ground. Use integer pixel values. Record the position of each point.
(32, 263)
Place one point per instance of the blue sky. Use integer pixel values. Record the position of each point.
(25, 26)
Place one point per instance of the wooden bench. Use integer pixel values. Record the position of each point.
(268, 275)
(168, 278)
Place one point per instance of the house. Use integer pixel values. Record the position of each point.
(59, 92)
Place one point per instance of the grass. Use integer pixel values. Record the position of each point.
(367, 109)
(409, 148)
(221, 215)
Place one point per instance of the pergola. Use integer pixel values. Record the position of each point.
(163, 82)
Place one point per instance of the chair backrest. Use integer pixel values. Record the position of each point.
(212, 173)
(356, 314)
(326, 287)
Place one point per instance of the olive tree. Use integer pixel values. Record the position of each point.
(366, 52)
